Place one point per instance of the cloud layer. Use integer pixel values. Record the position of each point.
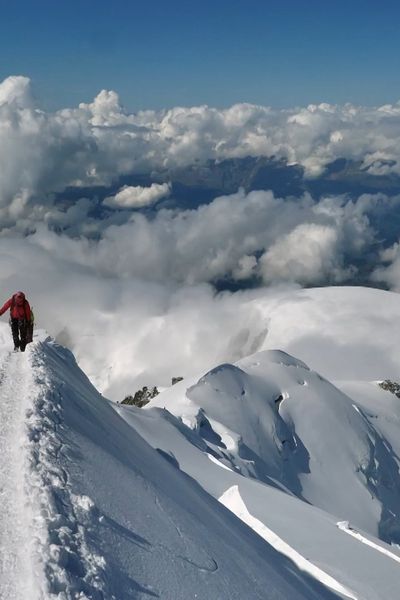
(239, 237)
(42, 153)
(234, 238)
(111, 281)
(126, 332)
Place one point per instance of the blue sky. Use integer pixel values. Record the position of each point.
(160, 54)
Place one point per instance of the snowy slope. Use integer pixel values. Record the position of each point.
(381, 410)
(270, 420)
(271, 417)
(92, 511)
(258, 479)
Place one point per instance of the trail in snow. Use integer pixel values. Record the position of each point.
(17, 580)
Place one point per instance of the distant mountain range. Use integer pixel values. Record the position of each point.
(200, 183)
(261, 173)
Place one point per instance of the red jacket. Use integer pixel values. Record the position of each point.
(19, 305)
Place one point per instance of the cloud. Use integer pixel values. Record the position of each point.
(112, 283)
(235, 237)
(16, 92)
(309, 254)
(138, 196)
(43, 153)
(126, 332)
(388, 273)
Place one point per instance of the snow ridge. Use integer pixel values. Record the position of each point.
(111, 519)
(304, 459)
(72, 570)
(233, 500)
(345, 526)
(91, 510)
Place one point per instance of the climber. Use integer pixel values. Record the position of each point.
(20, 320)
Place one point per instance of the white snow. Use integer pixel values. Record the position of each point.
(232, 500)
(296, 442)
(17, 563)
(237, 483)
(344, 526)
(101, 515)
(297, 433)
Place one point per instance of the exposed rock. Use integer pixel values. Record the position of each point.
(391, 386)
(142, 397)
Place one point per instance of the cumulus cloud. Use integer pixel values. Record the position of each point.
(93, 144)
(236, 237)
(16, 91)
(112, 283)
(309, 254)
(126, 332)
(138, 196)
(388, 272)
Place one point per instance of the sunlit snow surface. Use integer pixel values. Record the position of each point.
(258, 478)
(270, 420)
(91, 511)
